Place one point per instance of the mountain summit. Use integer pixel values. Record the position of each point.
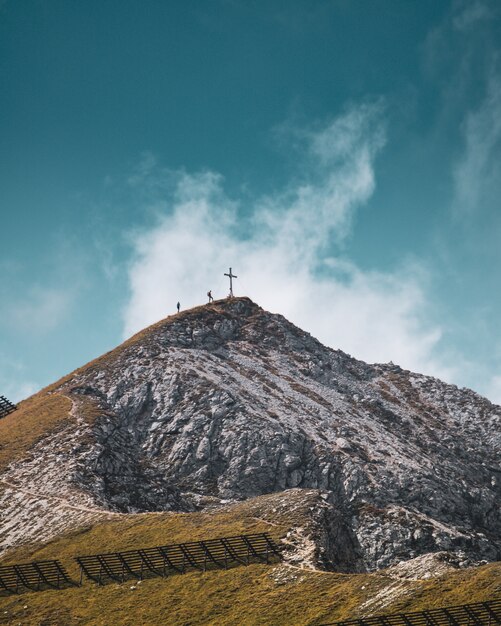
(226, 402)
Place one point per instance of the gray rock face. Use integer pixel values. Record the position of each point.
(229, 402)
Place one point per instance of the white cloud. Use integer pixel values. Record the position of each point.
(40, 310)
(285, 262)
(19, 390)
(13, 383)
(470, 13)
(479, 164)
(493, 391)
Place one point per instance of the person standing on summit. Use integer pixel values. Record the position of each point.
(209, 295)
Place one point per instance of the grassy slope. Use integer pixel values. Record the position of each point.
(34, 419)
(147, 529)
(257, 594)
(245, 595)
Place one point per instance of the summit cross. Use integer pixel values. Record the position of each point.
(231, 276)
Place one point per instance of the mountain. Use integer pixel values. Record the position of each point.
(227, 402)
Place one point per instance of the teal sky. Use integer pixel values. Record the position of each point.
(343, 156)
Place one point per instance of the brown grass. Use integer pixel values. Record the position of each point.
(35, 418)
(252, 595)
(257, 594)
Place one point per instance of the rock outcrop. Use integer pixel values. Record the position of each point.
(227, 402)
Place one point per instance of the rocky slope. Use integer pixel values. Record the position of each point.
(227, 402)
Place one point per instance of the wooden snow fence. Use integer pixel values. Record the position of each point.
(178, 558)
(478, 614)
(35, 576)
(6, 407)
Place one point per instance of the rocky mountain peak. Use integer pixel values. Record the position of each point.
(226, 402)
(214, 325)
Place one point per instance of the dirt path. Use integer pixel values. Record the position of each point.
(60, 500)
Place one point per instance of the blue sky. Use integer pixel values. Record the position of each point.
(342, 156)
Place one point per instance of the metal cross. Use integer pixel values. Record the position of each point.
(231, 276)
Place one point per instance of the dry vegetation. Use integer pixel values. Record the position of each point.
(257, 594)
(141, 530)
(35, 418)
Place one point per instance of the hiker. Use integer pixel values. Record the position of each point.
(178, 306)
(209, 295)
